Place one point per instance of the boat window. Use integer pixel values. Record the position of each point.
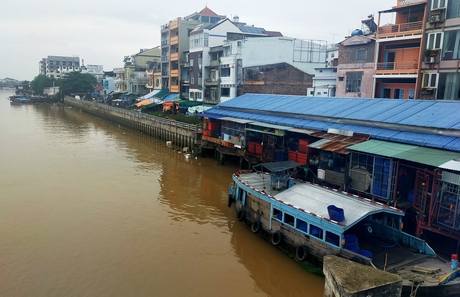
(277, 214)
(288, 219)
(302, 225)
(332, 238)
(316, 231)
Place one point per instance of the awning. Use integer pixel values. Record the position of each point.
(162, 94)
(170, 97)
(335, 142)
(188, 103)
(279, 166)
(260, 127)
(418, 154)
(150, 95)
(241, 121)
(144, 102)
(451, 165)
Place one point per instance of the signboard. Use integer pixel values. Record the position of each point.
(95, 68)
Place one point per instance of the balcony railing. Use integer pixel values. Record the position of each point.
(397, 67)
(211, 82)
(401, 29)
(409, 2)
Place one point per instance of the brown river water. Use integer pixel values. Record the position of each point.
(88, 208)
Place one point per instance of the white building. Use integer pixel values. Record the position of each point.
(324, 81)
(57, 66)
(305, 55)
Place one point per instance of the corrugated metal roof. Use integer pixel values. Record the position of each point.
(288, 110)
(335, 142)
(236, 120)
(423, 113)
(422, 155)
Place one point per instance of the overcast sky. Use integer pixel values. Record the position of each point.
(102, 32)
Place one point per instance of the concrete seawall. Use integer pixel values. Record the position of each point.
(180, 134)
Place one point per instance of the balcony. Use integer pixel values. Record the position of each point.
(211, 82)
(174, 89)
(173, 25)
(174, 57)
(397, 68)
(209, 100)
(118, 70)
(175, 72)
(174, 40)
(414, 28)
(164, 42)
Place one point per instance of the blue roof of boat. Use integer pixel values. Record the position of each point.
(287, 109)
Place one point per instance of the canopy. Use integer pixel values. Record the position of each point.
(143, 102)
(280, 166)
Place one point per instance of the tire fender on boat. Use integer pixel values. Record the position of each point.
(230, 200)
(241, 215)
(301, 253)
(255, 227)
(277, 237)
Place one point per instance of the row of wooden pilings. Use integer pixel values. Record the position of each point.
(176, 133)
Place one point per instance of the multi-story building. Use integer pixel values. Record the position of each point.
(305, 55)
(324, 80)
(441, 60)
(134, 78)
(174, 46)
(399, 51)
(355, 67)
(57, 66)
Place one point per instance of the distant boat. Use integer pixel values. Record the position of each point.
(311, 221)
(19, 99)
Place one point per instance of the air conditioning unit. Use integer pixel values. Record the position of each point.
(436, 18)
(430, 60)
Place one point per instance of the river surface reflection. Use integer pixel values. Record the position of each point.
(88, 208)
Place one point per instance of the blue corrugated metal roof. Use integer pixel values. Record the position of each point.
(419, 113)
(424, 113)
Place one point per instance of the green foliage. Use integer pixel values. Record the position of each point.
(39, 83)
(76, 82)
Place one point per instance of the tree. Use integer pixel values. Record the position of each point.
(77, 82)
(40, 82)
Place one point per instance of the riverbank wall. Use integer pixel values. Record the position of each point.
(173, 132)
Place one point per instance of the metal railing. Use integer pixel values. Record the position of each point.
(399, 29)
(397, 66)
(137, 115)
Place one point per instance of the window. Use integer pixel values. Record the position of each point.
(341, 78)
(429, 80)
(277, 214)
(354, 82)
(436, 4)
(453, 9)
(225, 92)
(449, 86)
(361, 54)
(192, 80)
(191, 62)
(302, 225)
(451, 45)
(316, 231)
(332, 238)
(288, 219)
(434, 40)
(225, 72)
